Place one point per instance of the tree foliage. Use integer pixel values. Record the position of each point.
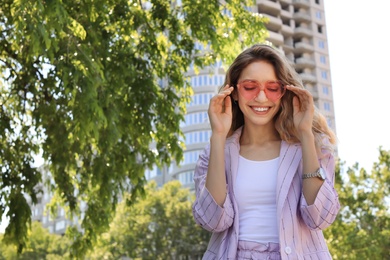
(362, 229)
(158, 226)
(40, 245)
(97, 87)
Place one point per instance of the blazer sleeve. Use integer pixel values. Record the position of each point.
(323, 211)
(207, 213)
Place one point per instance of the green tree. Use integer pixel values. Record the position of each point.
(158, 226)
(362, 228)
(40, 245)
(80, 85)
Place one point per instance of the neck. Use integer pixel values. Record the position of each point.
(259, 134)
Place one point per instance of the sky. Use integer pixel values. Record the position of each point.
(359, 51)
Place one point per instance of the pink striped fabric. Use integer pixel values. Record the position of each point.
(300, 225)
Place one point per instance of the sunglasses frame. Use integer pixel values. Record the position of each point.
(261, 86)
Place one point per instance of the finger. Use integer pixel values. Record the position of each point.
(218, 100)
(304, 96)
(228, 105)
(226, 91)
(296, 105)
(296, 90)
(300, 92)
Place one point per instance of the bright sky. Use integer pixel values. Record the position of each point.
(358, 38)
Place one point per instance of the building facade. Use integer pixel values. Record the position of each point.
(297, 28)
(58, 222)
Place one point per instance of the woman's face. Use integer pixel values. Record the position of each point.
(259, 93)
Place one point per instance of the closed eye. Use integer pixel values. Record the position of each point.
(273, 89)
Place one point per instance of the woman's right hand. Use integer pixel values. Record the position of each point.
(220, 112)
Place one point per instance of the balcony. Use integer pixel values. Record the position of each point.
(287, 30)
(204, 126)
(286, 14)
(274, 23)
(288, 47)
(286, 1)
(302, 17)
(315, 95)
(308, 77)
(275, 38)
(301, 47)
(198, 108)
(303, 32)
(183, 167)
(301, 3)
(302, 63)
(268, 7)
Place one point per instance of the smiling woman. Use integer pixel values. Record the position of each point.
(266, 178)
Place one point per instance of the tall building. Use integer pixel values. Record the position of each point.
(297, 28)
(57, 223)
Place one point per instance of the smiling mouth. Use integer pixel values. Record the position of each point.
(260, 109)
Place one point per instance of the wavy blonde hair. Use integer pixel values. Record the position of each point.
(284, 123)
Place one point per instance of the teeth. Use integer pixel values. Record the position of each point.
(260, 109)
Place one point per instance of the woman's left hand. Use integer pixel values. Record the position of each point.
(303, 110)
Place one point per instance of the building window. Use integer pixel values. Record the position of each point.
(321, 44)
(60, 225)
(318, 15)
(194, 81)
(319, 28)
(324, 74)
(325, 90)
(186, 177)
(322, 59)
(191, 157)
(327, 106)
(318, 2)
(329, 120)
(200, 99)
(195, 137)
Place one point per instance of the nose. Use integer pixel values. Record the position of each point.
(261, 97)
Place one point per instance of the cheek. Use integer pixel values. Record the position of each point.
(278, 103)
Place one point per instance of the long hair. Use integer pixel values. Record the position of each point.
(284, 123)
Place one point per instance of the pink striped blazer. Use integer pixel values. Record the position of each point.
(300, 225)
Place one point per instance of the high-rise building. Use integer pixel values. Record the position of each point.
(297, 28)
(58, 222)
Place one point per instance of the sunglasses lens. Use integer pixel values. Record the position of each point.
(274, 89)
(249, 89)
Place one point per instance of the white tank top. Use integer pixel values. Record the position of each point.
(255, 192)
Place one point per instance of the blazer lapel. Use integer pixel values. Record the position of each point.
(290, 157)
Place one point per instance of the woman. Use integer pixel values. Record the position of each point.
(265, 184)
